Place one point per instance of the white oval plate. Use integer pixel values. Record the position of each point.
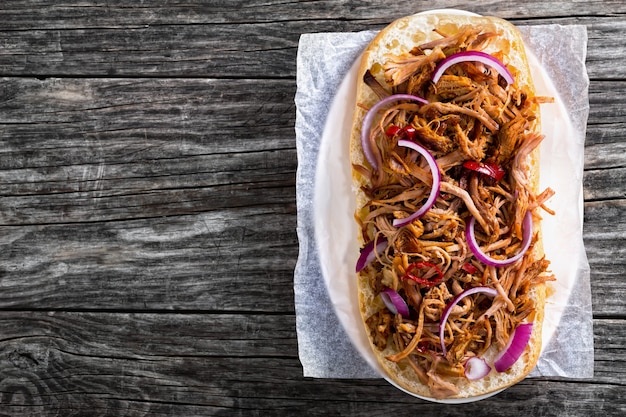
(336, 229)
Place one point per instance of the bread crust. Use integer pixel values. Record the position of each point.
(398, 38)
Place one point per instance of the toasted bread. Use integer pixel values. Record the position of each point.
(398, 39)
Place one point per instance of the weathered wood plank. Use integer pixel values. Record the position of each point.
(359, 397)
(605, 102)
(98, 198)
(245, 109)
(605, 146)
(116, 13)
(129, 203)
(221, 260)
(152, 336)
(63, 361)
(263, 50)
(604, 232)
(92, 150)
(603, 184)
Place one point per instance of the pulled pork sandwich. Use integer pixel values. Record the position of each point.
(445, 165)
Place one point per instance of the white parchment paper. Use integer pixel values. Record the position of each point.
(325, 348)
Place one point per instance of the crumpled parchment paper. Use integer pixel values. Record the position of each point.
(323, 60)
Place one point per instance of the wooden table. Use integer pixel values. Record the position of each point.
(148, 222)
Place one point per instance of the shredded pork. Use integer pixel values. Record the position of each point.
(472, 115)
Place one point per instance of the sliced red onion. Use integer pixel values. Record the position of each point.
(476, 368)
(394, 302)
(369, 251)
(527, 233)
(446, 312)
(369, 119)
(514, 348)
(473, 56)
(434, 190)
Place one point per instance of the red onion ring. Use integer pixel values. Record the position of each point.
(473, 56)
(476, 368)
(369, 118)
(514, 348)
(434, 191)
(527, 233)
(446, 312)
(369, 251)
(394, 302)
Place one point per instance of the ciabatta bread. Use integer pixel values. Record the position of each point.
(400, 39)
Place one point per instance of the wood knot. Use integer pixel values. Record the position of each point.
(23, 359)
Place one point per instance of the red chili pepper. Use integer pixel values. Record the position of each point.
(495, 171)
(469, 268)
(393, 130)
(424, 281)
(407, 131)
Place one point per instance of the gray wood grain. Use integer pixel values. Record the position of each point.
(265, 49)
(20, 15)
(219, 260)
(209, 366)
(91, 150)
(148, 220)
(118, 40)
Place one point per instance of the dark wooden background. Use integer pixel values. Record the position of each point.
(148, 221)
